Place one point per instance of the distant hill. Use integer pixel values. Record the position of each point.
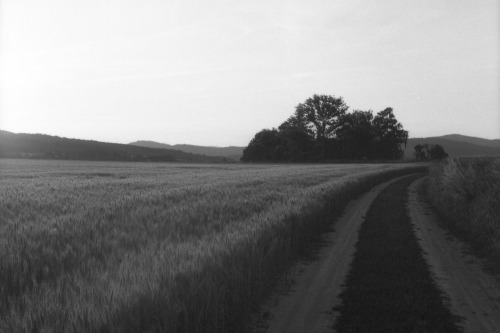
(457, 145)
(473, 140)
(230, 152)
(43, 146)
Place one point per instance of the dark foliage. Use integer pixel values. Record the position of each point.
(321, 129)
(425, 152)
(389, 135)
(267, 145)
(357, 136)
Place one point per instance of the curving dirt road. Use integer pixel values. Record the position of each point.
(473, 294)
(308, 306)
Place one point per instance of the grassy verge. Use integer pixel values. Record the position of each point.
(466, 195)
(389, 287)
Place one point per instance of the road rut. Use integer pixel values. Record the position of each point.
(308, 306)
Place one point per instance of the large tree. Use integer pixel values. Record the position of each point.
(389, 135)
(321, 116)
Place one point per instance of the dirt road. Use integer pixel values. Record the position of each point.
(473, 294)
(308, 306)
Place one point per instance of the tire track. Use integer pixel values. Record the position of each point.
(389, 287)
(307, 307)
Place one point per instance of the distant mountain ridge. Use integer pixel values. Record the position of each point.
(230, 152)
(43, 146)
(457, 145)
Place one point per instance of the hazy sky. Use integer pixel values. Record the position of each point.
(216, 72)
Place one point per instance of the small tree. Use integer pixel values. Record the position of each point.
(421, 152)
(425, 152)
(437, 152)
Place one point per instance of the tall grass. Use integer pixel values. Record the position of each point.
(118, 247)
(467, 192)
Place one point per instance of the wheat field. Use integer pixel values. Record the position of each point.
(117, 247)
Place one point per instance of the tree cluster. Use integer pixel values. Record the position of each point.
(322, 129)
(426, 152)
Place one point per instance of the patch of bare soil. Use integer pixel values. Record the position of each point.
(473, 294)
(307, 307)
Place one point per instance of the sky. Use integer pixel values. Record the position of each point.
(214, 73)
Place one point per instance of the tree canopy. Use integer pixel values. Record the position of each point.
(389, 135)
(321, 115)
(322, 129)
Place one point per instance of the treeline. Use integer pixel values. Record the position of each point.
(322, 129)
